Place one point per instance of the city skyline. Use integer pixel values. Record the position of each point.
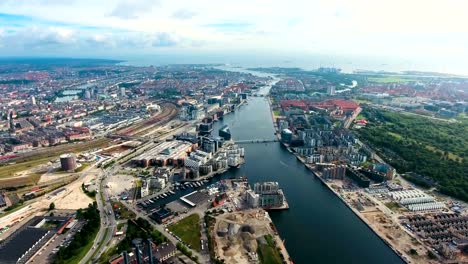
(429, 32)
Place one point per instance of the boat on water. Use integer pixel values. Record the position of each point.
(183, 187)
(172, 192)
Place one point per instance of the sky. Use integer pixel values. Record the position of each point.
(417, 30)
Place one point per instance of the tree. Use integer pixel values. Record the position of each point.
(51, 206)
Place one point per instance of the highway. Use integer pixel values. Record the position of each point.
(108, 222)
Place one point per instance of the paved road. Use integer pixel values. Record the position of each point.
(108, 222)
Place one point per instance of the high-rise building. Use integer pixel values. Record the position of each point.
(286, 135)
(331, 90)
(266, 187)
(33, 100)
(87, 95)
(253, 199)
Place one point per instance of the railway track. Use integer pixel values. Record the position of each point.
(169, 112)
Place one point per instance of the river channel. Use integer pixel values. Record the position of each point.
(318, 227)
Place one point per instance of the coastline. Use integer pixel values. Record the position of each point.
(329, 187)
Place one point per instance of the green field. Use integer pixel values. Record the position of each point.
(393, 206)
(268, 252)
(47, 154)
(82, 253)
(188, 229)
(391, 79)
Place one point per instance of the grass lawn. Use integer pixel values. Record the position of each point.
(16, 208)
(188, 229)
(124, 212)
(84, 250)
(393, 206)
(100, 243)
(391, 79)
(44, 157)
(276, 112)
(395, 135)
(268, 253)
(450, 155)
(83, 167)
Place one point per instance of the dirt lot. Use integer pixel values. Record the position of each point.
(75, 198)
(242, 231)
(119, 183)
(398, 237)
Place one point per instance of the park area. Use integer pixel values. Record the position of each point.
(268, 252)
(188, 229)
(430, 152)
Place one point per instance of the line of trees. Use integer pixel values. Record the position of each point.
(83, 237)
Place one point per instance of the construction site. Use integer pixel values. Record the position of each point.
(445, 233)
(247, 237)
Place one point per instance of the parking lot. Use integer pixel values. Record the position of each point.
(46, 253)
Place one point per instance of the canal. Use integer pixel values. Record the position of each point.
(318, 227)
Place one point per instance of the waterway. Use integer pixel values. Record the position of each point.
(318, 227)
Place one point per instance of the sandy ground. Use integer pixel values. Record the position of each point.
(75, 198)
(395, 235)
(384, 223)
(231, 248)
(72, 198)
(119, 183)
(51, 177)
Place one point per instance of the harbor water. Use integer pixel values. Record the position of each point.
(318, 227)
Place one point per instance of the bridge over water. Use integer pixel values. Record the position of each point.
(256, 141)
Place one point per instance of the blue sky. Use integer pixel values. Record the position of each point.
(415, 30)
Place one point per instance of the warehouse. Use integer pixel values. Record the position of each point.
(28, 239)
(397, 196)
(426, 206)
(416, 200)
(195, 198)
(165, 154)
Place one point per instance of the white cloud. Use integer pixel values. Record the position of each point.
(391, 27)
(183, 14)
(133, 9)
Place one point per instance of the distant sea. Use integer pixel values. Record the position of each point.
(307, 62)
